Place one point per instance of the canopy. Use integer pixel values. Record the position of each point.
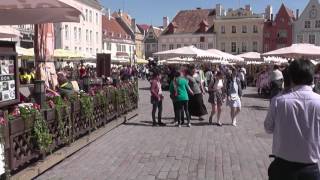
(68, 54)
(275, 60)
(16, 12)
(142, 61)
(8, 32)
(225, 55)
(297, 51)
(187, 51)
(250, 56)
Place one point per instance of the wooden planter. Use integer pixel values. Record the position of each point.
(22, 150)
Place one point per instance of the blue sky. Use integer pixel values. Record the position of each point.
(152, 11)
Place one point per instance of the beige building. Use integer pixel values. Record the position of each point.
(84, 37)
(189, 27)
(239, 30)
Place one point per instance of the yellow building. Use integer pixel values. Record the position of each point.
(239, 31)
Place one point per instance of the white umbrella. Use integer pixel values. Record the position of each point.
(249, 56)
(296, 51)
(225, 55)
(275, 60)
(16, 12)
(187, 51)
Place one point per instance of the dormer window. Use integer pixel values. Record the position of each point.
(171, 28)
(203, 26)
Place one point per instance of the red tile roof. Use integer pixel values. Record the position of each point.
(188, 21)
(112, 29)
(144, 27)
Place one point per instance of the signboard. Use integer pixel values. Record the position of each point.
(9, 82)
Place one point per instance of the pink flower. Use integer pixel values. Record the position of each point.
(2, 121)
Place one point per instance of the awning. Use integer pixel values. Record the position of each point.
(122, 54)
(8, 32)
(16, 12)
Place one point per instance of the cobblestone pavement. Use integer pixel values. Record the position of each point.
(138, 151)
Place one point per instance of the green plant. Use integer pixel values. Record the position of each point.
(61, 109)
(102, 98)
(41, 132)
(87, 106)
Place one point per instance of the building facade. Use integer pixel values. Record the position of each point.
(130, 23)
(278, 32)
(26, 39)
(84, 37)
(151, 41)
(116, 41)
(307, 26)
(189, 27)
(239, 31)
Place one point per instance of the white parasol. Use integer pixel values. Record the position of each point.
(16, 12)
(296, 51)
(187, 51)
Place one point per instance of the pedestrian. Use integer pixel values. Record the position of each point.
(196, 105)
(293, 119)
(173, 96)
(242, 78)
(156, 98)
(234, 93)
(276, 83)
(181, 95)
(216, 97)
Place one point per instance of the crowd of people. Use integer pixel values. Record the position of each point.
(189, 84)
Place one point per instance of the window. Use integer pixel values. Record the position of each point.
(255, 46)
(266, 48)
(86, 14)
(300, 38)
(154, 47)
(80, 49)
(90, 37)
(223, 47)
(91, 50)
(90, 16)
(97, 50)
(123, 48)
(223, 30)
(255, 29)
(87, 50)
(66, 29)
(87, 35)
(282, 33)
(97, 37)
(317, 23)
(202, 39)
(79, 31)
(109, 46)
(267, 34)
(210, 45)
(201, 46)
(234, 29)
(307, 24)
(75, 49)
(75, 33)
(171, 46)
(233, 47)
(66, 48)
(97, 19)
(178, 45)
(164, 47)
(148, 47)
(312, 39)
(244, 47)
(244, 29)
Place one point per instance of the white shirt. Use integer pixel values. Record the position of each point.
(276, 75)
(294, 120)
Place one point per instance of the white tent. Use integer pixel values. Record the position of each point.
(187, 51)
(225, 56)
(16, 12)
(296, 51)
(275, 60)
(8, 32)
(251, 56)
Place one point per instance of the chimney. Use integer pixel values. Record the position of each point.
(297, 14)
(248, 7)
(219, 10)
(271, 17)
(165, 22)
(109, 14)
(120, 12)
(133, 24)
(268, 13)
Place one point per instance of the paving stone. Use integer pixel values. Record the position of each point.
(138, 151)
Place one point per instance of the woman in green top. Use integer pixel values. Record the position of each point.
(179, 88)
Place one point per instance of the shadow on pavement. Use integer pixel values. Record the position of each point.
(145, 88)
(258, 108)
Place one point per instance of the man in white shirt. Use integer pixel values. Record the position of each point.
(294, 120)
(276, 81)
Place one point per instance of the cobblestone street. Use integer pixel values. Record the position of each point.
(137, 150)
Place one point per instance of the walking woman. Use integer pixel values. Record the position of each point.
(196, 105)
(216, 96)
(234, 93)
(156, 98)
(180, 88)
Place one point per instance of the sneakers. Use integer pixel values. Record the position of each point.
(219, 124)
(189, 125)
(234, 123)
(162, 124)
(210, 120)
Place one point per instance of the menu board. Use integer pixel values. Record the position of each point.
(7, 79)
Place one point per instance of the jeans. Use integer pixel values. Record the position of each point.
(156, 105)
(176, 111)
(182, 107)
(281, 169)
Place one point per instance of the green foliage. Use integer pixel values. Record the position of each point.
(61, 110)
(102, 98)
(87, 106)
(41, 132)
